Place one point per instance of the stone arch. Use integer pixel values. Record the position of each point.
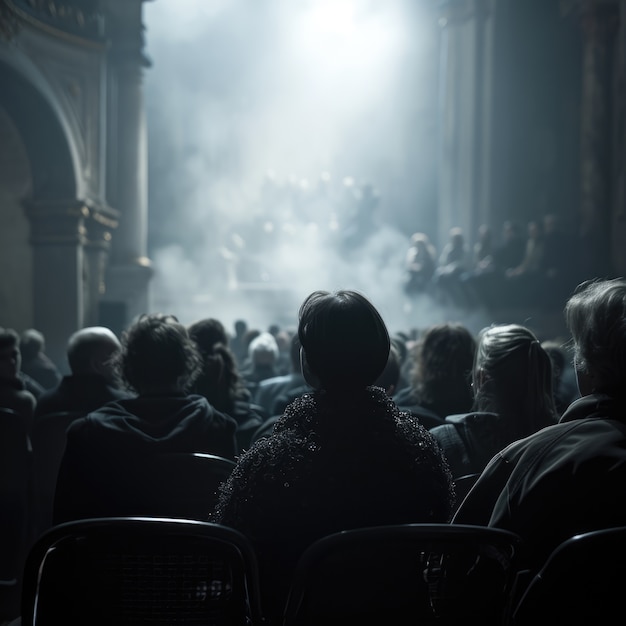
(53, 157)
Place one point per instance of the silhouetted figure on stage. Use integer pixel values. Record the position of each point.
(420, 265)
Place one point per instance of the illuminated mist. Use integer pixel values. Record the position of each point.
(292, 147)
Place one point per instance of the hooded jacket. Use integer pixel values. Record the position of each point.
(111, 464)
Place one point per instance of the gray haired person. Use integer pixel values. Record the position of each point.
(568, 478)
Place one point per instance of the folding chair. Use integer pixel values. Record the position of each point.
(441, 574)
(581, 583)
(135, 571)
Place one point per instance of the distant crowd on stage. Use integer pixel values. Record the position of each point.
(517, 268)
(333, 424)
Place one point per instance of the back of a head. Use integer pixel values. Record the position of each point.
(207, 333)
(596, 318)
(8, 338)
(158, 354)
(90, 351)
(344, 339)
(444, 352)
(263, 349)
(32, 343)
(513, 377)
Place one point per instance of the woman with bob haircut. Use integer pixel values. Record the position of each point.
(512, 382)
(341, 457)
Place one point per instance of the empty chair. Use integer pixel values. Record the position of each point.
(15, 471)
(581, 583)
(130, 571)
(405, 574)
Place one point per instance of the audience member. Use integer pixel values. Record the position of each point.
(441, 376)
(237, 342)
(263, 353)
(92, 383)
(512, 385)
(35, 361)
(220, 382)
(341, 457)
(13, 392)
(568, 478)
(272, 389)
(455, 259)
(106, 466)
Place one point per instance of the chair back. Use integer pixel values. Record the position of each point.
(463, 484)
(405, 574)
(188, 483)
(48, 437)
(581, 583)
(130, 571)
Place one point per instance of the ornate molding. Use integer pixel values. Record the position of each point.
(71, 222)
(9, 21)
(76, 21)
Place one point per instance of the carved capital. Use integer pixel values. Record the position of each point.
(57, 222)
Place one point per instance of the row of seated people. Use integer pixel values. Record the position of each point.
(537, 269)
(346, 456)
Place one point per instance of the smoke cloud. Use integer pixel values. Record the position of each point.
(291, 148)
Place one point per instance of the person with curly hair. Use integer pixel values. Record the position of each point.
(111, 456)
(342, 456)
(220, 380)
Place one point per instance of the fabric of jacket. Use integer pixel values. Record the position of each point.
(470, 440)
(79, 394)
(563, 480)
(332, 463)
(110, 462)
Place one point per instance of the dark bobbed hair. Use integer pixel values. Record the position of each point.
(344, 339)
(596, 318)
(516, 378)
(157, 352)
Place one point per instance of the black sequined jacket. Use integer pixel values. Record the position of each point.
(333, 462)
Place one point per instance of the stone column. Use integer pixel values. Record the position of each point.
(618, 229)
(99, 229)
(464, 100)
(599, 21)
(57, 237)
(129, 271)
